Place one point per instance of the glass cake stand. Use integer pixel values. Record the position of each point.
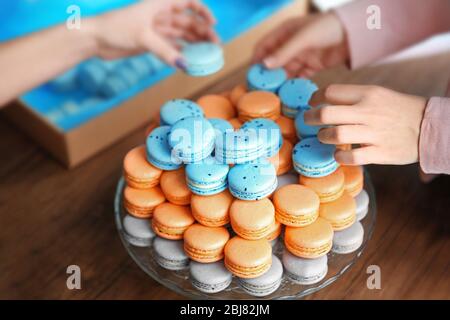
(178, 281)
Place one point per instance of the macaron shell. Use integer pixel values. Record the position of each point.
(252, 181)
(296, 205)
(212, 211)
(138, 173)
(261, 78)
(169, 254)
(202, 58)
(205, 244)
(314, 159)
(191, 139)
(237, 92)
(275, 231)
(176, 109)
(362, 205)
(341, 213)
(287, 128)
(217, 106)
(158, 150)
(141, 202)
(282, 161)
(209, 277)
(138, 231)
(170, 220)
(248, 258)
(173, 184)
(252, 220)
(259, 104)
(312, 241)
(348, 240)
(304, 271)
(354, 179)
(267, 283)
(328, 188)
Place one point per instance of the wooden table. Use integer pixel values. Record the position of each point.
(51, 218)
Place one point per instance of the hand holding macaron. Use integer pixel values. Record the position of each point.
(153, 26)
(385, 123)
(304, 45)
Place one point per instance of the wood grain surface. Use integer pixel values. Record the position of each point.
(51, 218)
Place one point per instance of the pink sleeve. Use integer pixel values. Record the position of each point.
(403, 23)
(434, 142)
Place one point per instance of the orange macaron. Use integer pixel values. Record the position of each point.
(252, 220)
(217, 106)
(142, 202)
(287, 128)
(341, 213)
(236, 123)
(237, 92)
(205, 244)
(173, 184)
(328, 188)
(275, 231)
(312, 241)
(282, 161)
(248, 258)
(138, 172)
(354, 179)
(212, 211)
(259, 104)
(170, 221)
(296, 205)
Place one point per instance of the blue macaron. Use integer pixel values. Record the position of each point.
(252, 181)
(170, 254)
(269, 132)
(241, 146)
(304, 130)
(159, 152)
(209, 277)
(192, 139)
(263, 79)
(207, 177)
(177, 109)
(295, 94)
(304, 271)
(220, 125)
(311, 158)
(202, 58)
(266, 283)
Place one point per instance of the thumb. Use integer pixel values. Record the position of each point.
(162, 48)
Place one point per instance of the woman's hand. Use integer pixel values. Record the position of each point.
(154, 26)
(304, 46)
(385, 123)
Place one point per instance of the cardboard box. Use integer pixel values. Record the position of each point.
(77, 145)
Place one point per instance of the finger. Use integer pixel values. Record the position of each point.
(161, 47)
(269, 42)
(186, 22)
(339, 94)
(313, 60)
(334, 115)
(169, 31)
(359, 156)
(196, 7)
(293, 67)
(347, 134)
(307, 72)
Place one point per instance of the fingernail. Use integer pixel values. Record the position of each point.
(180, 64)
(268, 62)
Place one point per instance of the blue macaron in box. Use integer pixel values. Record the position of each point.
(96, 86)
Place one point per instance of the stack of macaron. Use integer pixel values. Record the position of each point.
(217, 184)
